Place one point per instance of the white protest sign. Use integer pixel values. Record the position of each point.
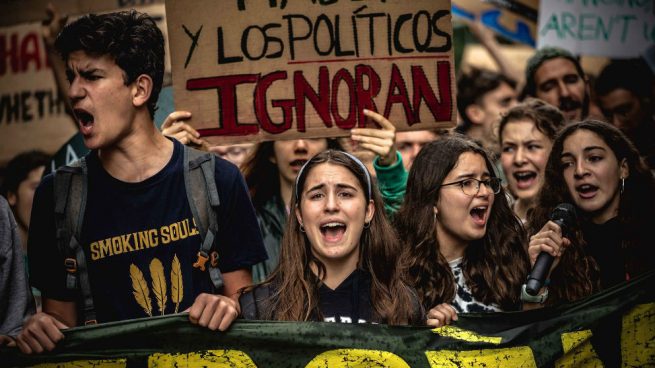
(612, 28)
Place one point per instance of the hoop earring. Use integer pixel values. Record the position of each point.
(622, 185)
(367, 225)
(302, 228)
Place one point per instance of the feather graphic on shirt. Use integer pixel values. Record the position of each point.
(141, 291)
(158, 283)
(177, 289)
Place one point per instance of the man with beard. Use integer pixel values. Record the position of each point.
(555, 76)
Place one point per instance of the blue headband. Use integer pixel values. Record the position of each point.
(357, 161)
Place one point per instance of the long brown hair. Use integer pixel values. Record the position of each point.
(577, 274)
(494, 267)
(295, 286)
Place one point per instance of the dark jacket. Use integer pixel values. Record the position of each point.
(272, 218)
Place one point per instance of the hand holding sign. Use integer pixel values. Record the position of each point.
(379, 141)
(175, 126)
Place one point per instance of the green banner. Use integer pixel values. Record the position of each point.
(613, 328)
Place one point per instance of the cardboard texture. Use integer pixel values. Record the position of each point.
(32, 114)
(27, 11)
(261, 70)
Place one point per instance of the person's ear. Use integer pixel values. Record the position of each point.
(474, 113)
(12, 198)
(299, 216)
(370, 211)
(142, 90)
(624, 169)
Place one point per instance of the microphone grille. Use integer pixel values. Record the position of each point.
(564, 211)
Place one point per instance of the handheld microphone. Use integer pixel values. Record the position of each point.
(564, 216)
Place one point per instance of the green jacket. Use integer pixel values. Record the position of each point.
(392, 181)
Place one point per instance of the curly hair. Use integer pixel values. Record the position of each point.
(547, 118)
(494, 267)
(578, 274)
(295, 285)
(130, 38)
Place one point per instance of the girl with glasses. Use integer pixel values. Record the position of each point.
(465, 246)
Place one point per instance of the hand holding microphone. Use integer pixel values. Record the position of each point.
(547, 245)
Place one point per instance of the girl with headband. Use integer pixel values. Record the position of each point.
(270, 172)
(339, 254)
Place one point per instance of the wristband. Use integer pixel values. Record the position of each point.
(541, 298)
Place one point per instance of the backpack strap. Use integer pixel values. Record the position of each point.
(200, 184)
(256, 302)
(70, 187)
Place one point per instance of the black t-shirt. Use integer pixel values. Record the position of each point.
(350, 301)
(140, 240)
(604, 244)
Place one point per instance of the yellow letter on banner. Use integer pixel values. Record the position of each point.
(213, 358)
(110, 363)
(465, 335)
(356, 358)
(578, 351)
(509, 357)
(518, 357)
(637, 337)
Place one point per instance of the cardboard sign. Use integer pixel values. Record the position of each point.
(617, 29)
(513, 19)
(28, 11)
(252, 70)
(32, 114)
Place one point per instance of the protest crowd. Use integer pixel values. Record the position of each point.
(542, 175)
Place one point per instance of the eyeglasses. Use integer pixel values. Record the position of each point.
(471, 186)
